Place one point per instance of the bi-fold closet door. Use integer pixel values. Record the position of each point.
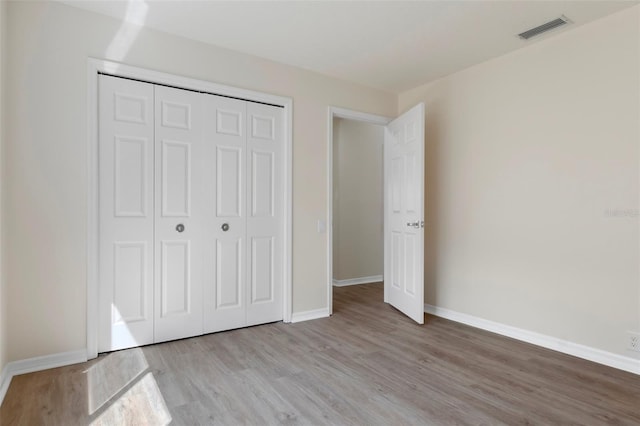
(190, 213)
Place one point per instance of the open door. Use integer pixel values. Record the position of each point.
(404, 213)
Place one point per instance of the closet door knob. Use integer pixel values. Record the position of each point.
(225, 227)
(180, 227)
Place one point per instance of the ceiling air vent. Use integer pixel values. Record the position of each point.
(563, 20)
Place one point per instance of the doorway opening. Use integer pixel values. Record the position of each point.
(355, 246)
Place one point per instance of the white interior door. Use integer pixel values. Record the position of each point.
(264, 213)
(126, 214)
(244, 142)
(179, 215)
(404, 213)
(225, 138)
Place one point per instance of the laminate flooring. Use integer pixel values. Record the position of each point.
(367, 364)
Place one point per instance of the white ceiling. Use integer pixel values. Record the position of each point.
(391, 45)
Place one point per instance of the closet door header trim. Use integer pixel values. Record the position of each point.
(190, 90)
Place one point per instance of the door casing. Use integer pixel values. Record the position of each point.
(96, 66)
(335, 112)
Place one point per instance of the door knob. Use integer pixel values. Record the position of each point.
(225, 227)
(417, 224)
(180, 227)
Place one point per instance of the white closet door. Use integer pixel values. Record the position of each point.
(179, 214)
(225, 180)
(126, 214)
(191, 213)
(264, 213)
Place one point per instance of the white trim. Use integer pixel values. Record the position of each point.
(5, 381)
(350, 114)
(93, 209)
(288, 210)
(309, 315)
(356, 281)
(330, 210)
(39, 363)
(599, 356)
(114, 68)
(336, 112)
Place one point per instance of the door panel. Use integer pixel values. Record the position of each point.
(262, 181)
(130, 260)
(225, 205)
(130, 170)
(263, 126)
(129, 107)
(412, 196)
(175, 279)
(229, 181)
(265, 206)
(404, 217)
(179, 246)
(125, 310)
(176, 115)
(262, 269)
(396, 257)
(410, 261)
(176, 178)
(230, 277)
(396, 183)
(229, 121)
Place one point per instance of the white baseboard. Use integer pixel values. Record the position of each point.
(355, 281)
(5, 381)
(309, 315)
(39, 363)
(620, 362)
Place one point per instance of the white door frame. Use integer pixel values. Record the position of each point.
(96, 66)
(335, 112)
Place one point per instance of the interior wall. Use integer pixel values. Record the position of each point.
(532, 186)
(357, 199)
(46, 156)
(3, 310)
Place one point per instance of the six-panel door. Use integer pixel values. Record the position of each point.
(225, 180)
(264, 213)
(179, 216)
(403, 209)
(126, 214)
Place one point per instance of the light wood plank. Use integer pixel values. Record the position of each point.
(361, 366)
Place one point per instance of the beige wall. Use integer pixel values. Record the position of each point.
(46, 158)
(357, 199)
(532, 167)
(3, 310)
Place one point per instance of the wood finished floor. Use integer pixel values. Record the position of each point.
(367, 364)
